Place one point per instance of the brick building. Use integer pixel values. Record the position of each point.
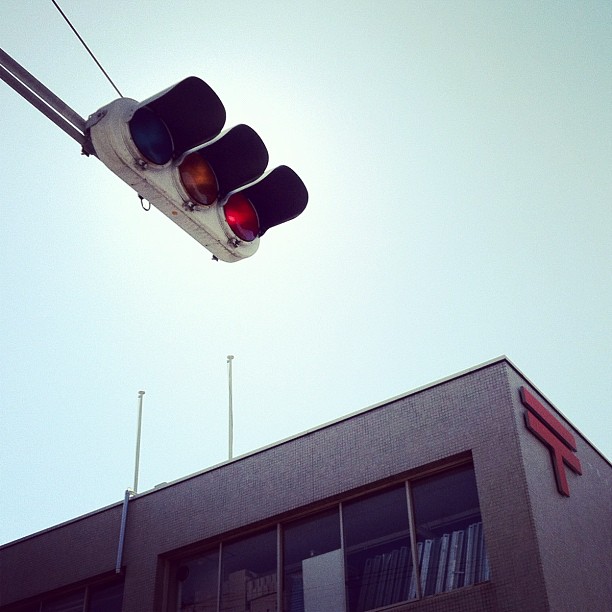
(472, 493)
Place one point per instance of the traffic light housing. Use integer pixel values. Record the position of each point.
(172, 151)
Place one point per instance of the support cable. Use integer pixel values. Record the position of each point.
(86, 47)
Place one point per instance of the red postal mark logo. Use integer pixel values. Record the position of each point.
(553, 434)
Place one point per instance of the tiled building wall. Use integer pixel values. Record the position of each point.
(574, 533)
(479, 598)
(469, 413)
(74, 552)
(476, 412)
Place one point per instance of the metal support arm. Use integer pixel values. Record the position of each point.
(42, 98)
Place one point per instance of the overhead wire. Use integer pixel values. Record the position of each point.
(86, 47)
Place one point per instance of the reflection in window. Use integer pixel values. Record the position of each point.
(313, 569)
(248, 580)
(357, 556)
(106, 599)
(68, 603)
(377, 543)
(450, 542)
(197, 584)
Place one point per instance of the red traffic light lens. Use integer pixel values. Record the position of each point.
(199, 179)
(151, 136)
(242, 217)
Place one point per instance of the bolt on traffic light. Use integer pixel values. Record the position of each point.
(171, 150)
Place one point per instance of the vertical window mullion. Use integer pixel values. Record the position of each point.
(279, 567)
(219, 568)
(413, 542)
(86, 599)
(340, 512)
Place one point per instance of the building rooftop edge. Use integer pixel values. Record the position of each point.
(420, 389)
(335, 421)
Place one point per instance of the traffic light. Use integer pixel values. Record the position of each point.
(172, 151)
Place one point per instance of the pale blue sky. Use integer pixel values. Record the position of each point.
(458, 159)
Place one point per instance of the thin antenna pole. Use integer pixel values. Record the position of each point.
(231, 408)
(137, 465)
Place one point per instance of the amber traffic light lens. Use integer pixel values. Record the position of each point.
(199, 179)
(242, 217)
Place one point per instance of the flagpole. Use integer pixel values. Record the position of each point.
(230, 408)
(137, 462)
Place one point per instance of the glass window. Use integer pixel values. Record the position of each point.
(377, 544)
(198, 582)
(69, 603)
(106, 599)
(355, 557)
(248, 581)
(450, 542)
(313, 569)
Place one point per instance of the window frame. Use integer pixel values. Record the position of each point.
(407, 479)
(36, 604)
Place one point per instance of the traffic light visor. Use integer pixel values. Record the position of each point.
(192, 112)
(279, 197)
(236, 158)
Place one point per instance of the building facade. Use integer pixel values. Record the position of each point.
(470, 494)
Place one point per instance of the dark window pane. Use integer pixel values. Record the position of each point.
(106, 599)
(197, 584)
(249, 574)
(377, 543)
(68, 603)
(450, 542)
(313, 568)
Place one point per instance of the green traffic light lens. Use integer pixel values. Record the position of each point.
(242, 217)
(151, 136)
